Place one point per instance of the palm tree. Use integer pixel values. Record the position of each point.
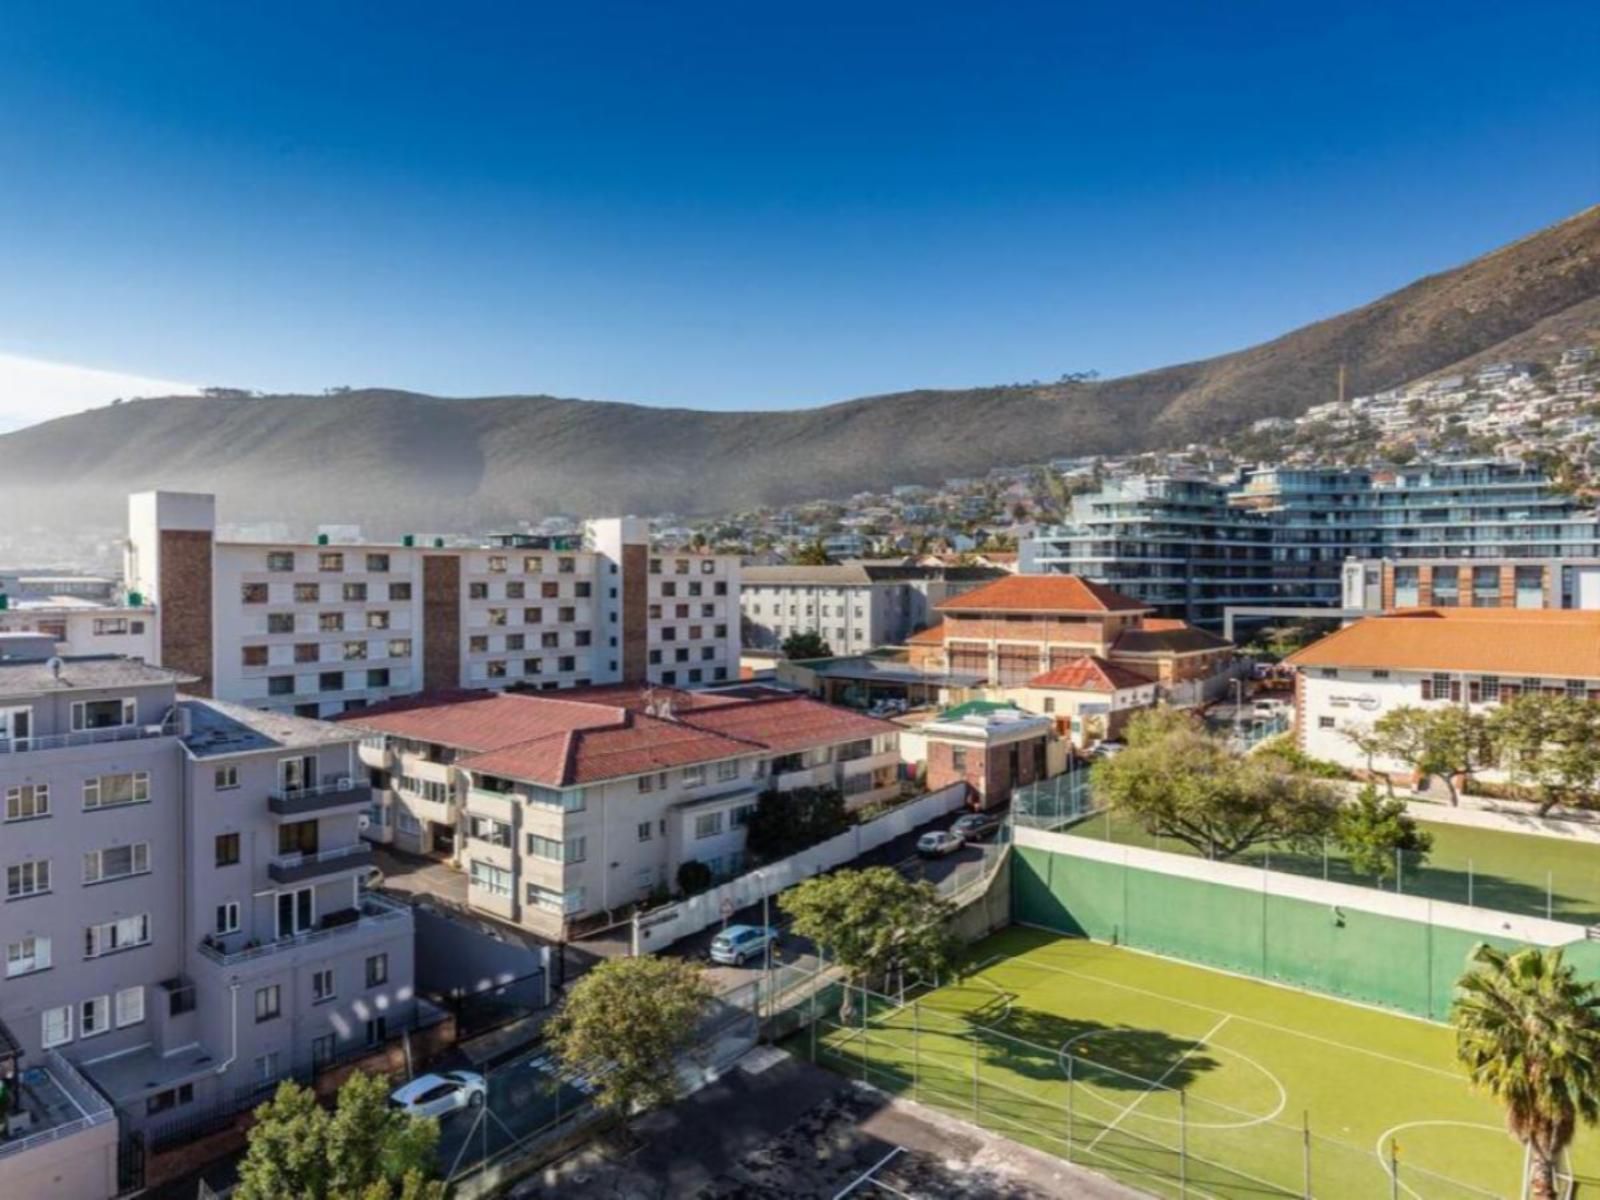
(1528, 1033)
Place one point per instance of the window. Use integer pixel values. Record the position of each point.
(644, 831)
(566, 566)
(568, 902)
(742, 814)
(958, 759)
(477, 591)
(227, 849)
(577, 850)
(330, 560)
(27, 956)
(322, 985)
(1325, 723)
(566, 663)
(486, 829)
(378, 677)
(307, 652)
(112, 936)
(478, 643)
(109, 791)
(129, 1006)
(377, 970)
(307, 593)
(1489, 689)
(225, 779)
(495, 668)
(169, 1099)
(550, 590)
(532, 564)
(331, 622)
(227, 918)
(681, 566)
(377, 563)
(269, 1003)
(492, 879)
(103, 714)
(94, 1017)
(532, 616)
(280, 622)
(27, 801)
(330, 681)
(399, 647)
(119, 862)
(265, 1068)
(694, 777)
(280, 685)
(647, 783)
(708, 825)
(377, 1031)
(543, 847)
(253, 656)
(515, 641)
(516, 589)
(355, 651)
(355, 593)
(30, 878)
(253, 593)
(323, 1050)
(55, 1026)
(400, 591)
(378, 619)
(497, 564)
(280, 560)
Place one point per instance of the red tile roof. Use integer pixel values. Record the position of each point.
(927, 637)
(1089, 674)
(1563, 643)
(578, 739)
(1042, 594)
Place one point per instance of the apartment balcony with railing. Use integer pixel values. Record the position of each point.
(374, 913)
(333, 793)
(297, 868)
(55, 1118)
(87, 737)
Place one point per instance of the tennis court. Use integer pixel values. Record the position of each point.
(1179, 1080)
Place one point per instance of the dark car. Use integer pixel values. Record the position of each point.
(976, 826)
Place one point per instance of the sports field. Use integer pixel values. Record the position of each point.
(1511, 872)
(1180, 1080)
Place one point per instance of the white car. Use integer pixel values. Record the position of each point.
(436, 1095)
(939, 843)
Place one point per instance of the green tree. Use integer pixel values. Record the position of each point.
(874, 923)
(1371, 743)
(1446, 743)
(785, 823)
(1528, 1034)
(1372, 830)
(1550, 746)
(809, 644)
(624, 1026)
(814, 554)
(363, 1150)
(694, 877)
(1178, 781)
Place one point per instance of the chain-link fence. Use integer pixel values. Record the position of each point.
(1150, 1133)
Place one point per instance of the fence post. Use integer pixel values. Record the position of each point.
(1183, 1143)
(1469, 883)
(863, 1032)
(1394, 1170)
(1324, 858)
(1305, 1133)
(916, 1043)
(1399, 873)
(1549, 894)
(974, 1078)
(1071, 1060)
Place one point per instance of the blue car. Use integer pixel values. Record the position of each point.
(737, 944)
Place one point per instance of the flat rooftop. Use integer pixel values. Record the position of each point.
(82, 673)
(217, 727)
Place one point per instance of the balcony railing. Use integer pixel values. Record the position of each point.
(87, 737)
(292, 868)
(374, 911)
(334, 791)
(89, 1102)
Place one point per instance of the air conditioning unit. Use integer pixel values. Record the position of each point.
(364, 821)
(345, 783)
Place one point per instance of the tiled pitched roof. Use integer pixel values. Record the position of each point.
(1041, 594)
(789, 723)
(1174, 638)
(1562, 643)
(479, 721)
(1089, 674)
(933, 636)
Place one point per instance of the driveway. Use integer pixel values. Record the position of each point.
(416, 875)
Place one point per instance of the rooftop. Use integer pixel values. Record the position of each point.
(1042, 594)
(1560, 643)
(81, 673)
(216, 727)
(1167, 637)
(1090, 673)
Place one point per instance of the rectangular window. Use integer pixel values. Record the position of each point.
(55, 1026)
(400, 591)
(516, 589)
(307, 593)
(253, 656)
(103, 714)
(28, 801)
(354, 593)
(225, 779)
(94, 1017)
(400, 648)
(377, 1031)
(330, 560)
(227, 849)
(119, 862)
(727, 770)
(112, 936)
(355, 651)
(694, 777)
(378, 619)
(280, 560)
(27, 956)
(708, 825)
(644, 831)
(227, 917)
(377, 563)
(269, 1003)
(377, 970)
(110, 791)
(28, 879)
(253, 593)
(330, 681)
(1324, 722)
(323, 1050)
(171, 1098)
(532, 564)
(322, 985)
(280, 622)
(280, 685)
(130, 1006)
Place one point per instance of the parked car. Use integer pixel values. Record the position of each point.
(1108, 749)
(737, 944)
(939, 843)
(976, 826)
(436, 1095)
(371, 879)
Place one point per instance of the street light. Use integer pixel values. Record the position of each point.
(1238, 704)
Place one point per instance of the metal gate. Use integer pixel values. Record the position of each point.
(130, 1163)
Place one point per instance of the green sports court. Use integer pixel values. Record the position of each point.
(1182, 1080)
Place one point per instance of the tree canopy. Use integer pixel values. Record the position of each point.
(874, 923)
(624, 1025)
(1550, 746)
(813, 554)
(1446, 743)
(1178, 781)
(1373, 830)
(785, 823)
(806, 644)
(362, 1150)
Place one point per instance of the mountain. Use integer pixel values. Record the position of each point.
(398, 461)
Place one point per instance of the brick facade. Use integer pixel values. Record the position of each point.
(441, 622)
(635, 607)
(185, 608)
(989, 771)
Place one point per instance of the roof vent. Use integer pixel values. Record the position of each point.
(55, 664)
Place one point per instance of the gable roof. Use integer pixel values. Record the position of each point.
(932, 636)
(1091, 673)
(1042, 594)
(1167, 637)
(1561, 643)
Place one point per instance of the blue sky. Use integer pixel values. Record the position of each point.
(751, 205)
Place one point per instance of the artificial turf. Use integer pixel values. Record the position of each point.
(1511, 872)
(1188, 1081)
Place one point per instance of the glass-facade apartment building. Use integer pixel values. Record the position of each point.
(1479, 532)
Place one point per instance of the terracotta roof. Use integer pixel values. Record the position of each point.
(933, 636)
(1563, 643)
(1089, 674)
(1176, 638)
(1164, 623)
(607, 733)
(1042, 594)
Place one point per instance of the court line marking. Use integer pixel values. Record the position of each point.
(1389, 1133)
(1283, 1092)
(1165, 1075)
(1311, 1037)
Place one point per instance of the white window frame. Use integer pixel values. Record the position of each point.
(319, 992)
(228, 918)
(94, 1017)
(80, 713)
(226, 779)
(38, 877)
(94, 865)
(28, 955)
(129, 1006)
(38, 795)
(124, 934)
(139, 790)
(63, 1013)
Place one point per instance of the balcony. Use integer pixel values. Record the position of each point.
(88, 737)
(339, 791)
(296, 868)
(375, 912)
(56, 1102)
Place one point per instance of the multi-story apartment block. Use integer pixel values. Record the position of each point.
(852, 606)
(316, 629)
(184, 921)
(563, 808)
(1191, 548)
(84, 627)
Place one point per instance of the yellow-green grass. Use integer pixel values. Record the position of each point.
(1510, 872)
(1244, 1069)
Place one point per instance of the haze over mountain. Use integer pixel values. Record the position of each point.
(399, 461)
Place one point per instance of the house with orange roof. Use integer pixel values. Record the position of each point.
(1471, 656)
(564, 807)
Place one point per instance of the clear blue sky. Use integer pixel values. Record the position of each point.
(754, 204)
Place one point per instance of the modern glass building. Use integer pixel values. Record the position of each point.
(1474, 533)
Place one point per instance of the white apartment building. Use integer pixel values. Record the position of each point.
(317, 629)
(79, 626)
(562, 808)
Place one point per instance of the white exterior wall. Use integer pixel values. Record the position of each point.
(490, 654)
(1354, 699)
(89, 629)
(685, 646)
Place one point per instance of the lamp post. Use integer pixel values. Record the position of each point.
(1238, 705)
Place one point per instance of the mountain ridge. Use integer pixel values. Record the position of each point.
(399, 461)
